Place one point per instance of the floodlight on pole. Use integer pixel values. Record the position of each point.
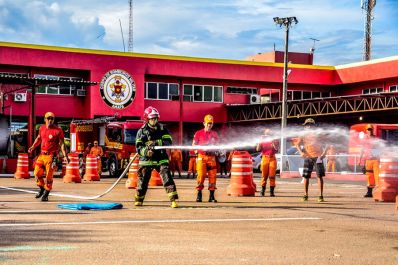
(286, 22)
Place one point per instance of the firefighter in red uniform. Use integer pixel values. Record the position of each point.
(97, 151)
(192, 164)
(206, 162)
(268, 149)
(51, 138)
(153, 134)
(370, 153)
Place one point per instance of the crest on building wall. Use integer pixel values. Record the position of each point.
(117, 89)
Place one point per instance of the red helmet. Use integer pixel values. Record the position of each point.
(150, 113)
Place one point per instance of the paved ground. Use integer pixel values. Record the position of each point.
(346, 229)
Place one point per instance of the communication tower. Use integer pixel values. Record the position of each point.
(368, 6)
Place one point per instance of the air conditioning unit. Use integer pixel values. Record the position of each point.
(255, 99)
(20, 97)
(81, 92)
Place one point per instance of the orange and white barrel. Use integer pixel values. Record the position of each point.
(241, 183)
(72, 169)
(132, 179)
(91, 169)
(387, 187)
(22, 171)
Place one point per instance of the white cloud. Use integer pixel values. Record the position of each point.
(221, 29)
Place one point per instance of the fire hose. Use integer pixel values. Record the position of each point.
(82, 197)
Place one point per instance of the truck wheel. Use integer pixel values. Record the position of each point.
(113, 172)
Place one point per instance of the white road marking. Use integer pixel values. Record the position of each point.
(163, 221)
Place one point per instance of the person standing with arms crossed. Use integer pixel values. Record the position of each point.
(51, 139)
(313, 154)
(97, 151)
(268, 149)
(206, 161)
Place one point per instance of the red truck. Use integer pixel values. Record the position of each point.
(116, 138)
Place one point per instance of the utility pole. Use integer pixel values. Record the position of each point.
(130, 45)
(368, 6)
(286, 22)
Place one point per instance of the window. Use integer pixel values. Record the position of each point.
(161, 91)
(203, 93)
(62, 89)
(242, 90)
(393, 88)
(376, 90)
(114, 134)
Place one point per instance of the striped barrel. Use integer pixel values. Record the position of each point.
(22, 171)
(72, 169)
(131, 182)
(387, 187)
(91, 169)
(241, 183)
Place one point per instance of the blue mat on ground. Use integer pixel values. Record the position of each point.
(91, 206)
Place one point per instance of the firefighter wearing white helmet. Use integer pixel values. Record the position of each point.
(152, 134)
(51, 140)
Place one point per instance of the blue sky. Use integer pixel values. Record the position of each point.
(225, 29)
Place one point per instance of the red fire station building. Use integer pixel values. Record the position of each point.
(85, 84)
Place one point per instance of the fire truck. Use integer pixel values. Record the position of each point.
(116, 138)
(386, 132)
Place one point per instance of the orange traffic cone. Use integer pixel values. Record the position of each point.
(22, 171)
(155, 180)
(241, 175)
(387, 187)
(91, 169)
(72, 169)
(131, 182)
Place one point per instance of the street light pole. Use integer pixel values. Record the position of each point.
(286, 22)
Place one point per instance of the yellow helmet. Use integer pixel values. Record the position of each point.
(49, 114)
(208, 119)
(309, 121)
(369, 127)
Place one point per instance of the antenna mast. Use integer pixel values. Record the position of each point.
(130, 46)
(368, 6)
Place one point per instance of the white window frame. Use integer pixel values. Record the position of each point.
(393, 88)
(202, 87)
(72, 88)
(373, 90)
(169, 95)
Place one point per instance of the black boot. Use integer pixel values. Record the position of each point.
(271, 192)
(262, 193)
(369, 193)
(45, 196)
(40, 193)
(199, 196)
(211, 197)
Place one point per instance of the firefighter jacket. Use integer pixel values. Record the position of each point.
(147, 138)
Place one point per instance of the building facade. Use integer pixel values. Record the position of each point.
(85, 84)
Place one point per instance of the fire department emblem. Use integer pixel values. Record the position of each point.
(117, 89)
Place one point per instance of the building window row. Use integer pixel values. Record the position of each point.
(203, 93)
(300, 95)
(242, 90)
(376, 90)
(393, 88)
(59, 89)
